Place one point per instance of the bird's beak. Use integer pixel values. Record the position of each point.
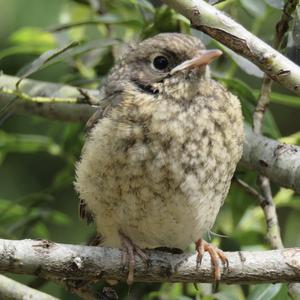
(204, 57)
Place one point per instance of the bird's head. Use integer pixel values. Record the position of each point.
(162, 63)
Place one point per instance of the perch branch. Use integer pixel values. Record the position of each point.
(279, 162)
(49, 259)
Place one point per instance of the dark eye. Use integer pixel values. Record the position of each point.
(160, 62)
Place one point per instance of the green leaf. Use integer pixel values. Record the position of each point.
(287, 198)
(293, 139)
(33, 36)
(252, 220)
(9, 209)
(41, 231)
(275, 3)
(270, 127)
(254, 7)
(264, 292)
(27, 143)
(59, 218)
(54, 56)
(288, 100)
(26, 49)
(234, 293)
(291, 229)
(43, 60)
(146, 5)
(29, 40)
(107, 19)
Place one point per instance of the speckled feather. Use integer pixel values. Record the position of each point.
(158, 164)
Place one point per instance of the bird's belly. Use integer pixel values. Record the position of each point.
(151, 199)
(174, 224)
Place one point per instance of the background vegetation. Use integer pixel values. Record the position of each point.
(37, 156)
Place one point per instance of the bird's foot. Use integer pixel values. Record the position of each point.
(201, 247)
(129, 249)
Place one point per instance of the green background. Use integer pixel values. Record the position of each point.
(37, 156)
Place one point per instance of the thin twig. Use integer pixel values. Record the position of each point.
(249, 189)
(268, 206)
(266, 202)
(38, 99)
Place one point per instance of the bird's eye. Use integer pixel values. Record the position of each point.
(160, 62)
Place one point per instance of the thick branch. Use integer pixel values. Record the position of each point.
(44, 258)
(280, 162)
(12, 290)
(221, 27)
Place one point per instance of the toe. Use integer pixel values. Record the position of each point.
(200, 251)
(215, 254)
(214, 260)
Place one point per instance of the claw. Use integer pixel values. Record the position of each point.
(215, 253)
(129, 249)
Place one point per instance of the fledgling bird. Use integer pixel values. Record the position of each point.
(162, 149)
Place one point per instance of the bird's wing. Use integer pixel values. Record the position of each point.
(102, 111)
(85, 213)
(105, 106)
(99, 114)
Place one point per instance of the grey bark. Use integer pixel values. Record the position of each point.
(280, 162)
(12, 290)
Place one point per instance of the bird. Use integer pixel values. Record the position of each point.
(160, 151)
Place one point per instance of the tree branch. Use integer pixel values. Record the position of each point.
(12, 290)
(44, 258)
(280, 162)
(221, 27)
(77, 111)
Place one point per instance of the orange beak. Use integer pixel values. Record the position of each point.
(204, 58)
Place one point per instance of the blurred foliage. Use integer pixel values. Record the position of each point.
(77, 42)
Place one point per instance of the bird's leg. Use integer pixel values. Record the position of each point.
(129, 249)
(201, 247)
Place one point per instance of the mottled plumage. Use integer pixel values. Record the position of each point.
(158, 163)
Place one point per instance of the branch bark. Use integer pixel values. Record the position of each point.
(74, 112)
(280, 162)
(12, 290)
(44, 258)
(221, 27)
